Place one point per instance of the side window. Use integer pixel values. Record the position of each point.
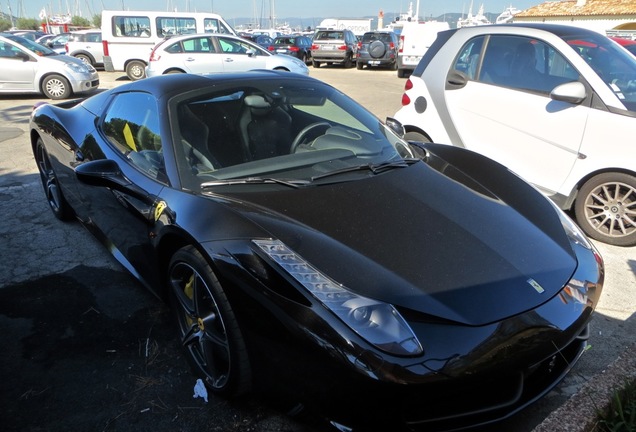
(525, 64)
(469, 57)
(234, 46)
(131, 126)
(173, 26)
(197, 45)
(94, 37)
(131, 26)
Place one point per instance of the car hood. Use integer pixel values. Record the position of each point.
(415, 238)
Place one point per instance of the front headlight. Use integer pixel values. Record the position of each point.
(572, 230)
(377, 322)
(77, 68)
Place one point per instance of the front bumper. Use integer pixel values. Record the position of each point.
(85, 83)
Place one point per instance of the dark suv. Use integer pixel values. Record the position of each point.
(378, 48)
(334, 46)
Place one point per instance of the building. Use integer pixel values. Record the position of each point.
(604, 16)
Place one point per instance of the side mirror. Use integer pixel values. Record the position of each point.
(250, 52)
(22, 56)
(106, 173)
(572, 92)
(395, 126)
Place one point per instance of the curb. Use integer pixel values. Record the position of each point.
(579, 413)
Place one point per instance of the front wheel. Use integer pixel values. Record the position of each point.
(136, 70)
(208, 329)
(605, 208)
(56, 87)
(57, 203)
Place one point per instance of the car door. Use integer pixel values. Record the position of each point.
(235, 55)
(17, 68)
(196, 55)
(505, 112)
(129, 135)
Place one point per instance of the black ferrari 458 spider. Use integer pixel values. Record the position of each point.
(299, 239)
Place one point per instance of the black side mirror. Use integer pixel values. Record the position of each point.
(106, 173)
(395, 126)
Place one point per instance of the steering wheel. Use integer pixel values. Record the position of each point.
(304, 132)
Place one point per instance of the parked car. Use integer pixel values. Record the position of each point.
(206, 53)
(377, 48)
(31, 35)
(334, 46)
(307, 249)
(263, 40)
(86, 45)
(555, 104)
(415, 38)
(58, 43)
(296, 46)
(28, 67)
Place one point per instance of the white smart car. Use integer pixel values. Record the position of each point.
(555, 104)
(208, 53)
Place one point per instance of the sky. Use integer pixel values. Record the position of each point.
(230, 9)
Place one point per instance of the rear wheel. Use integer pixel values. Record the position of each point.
(315, 64)
(208, 329)
(400, 73)
(57, 203)
(136, 70)
(56, 87)
(605, 208)
(359, 65)
(348, 63)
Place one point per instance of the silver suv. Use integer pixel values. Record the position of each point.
(87, 46)
(334, 46)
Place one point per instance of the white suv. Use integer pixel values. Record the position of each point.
(86, 45)
(555, 104)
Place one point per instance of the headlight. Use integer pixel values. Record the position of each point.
(77, 68)
(572, 229)
(377, 322)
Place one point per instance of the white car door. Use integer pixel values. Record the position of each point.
(17, 68)
(506, 113)
(236, 55)
(198, 55)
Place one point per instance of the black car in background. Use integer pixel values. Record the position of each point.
(297, 46)
(308, 250)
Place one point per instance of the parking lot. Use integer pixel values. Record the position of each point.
(87, 348)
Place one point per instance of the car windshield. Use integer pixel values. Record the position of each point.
(38, 49)
(292, 131)
(616, 67)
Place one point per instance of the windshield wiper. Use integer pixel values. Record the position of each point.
(374, 168)
(255, 180)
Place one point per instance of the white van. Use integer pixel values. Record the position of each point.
(129, 36)
(415, 39)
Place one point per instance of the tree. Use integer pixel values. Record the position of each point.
(5, 24)
(80, 21)
(28, 24)
(97, 21)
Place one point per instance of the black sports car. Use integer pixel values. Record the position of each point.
(301, 241)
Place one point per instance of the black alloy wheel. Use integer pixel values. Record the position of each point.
(208, 329)
(60, 208)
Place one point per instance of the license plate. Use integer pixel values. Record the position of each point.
(281, 50)
(374, 62)
(326, 47)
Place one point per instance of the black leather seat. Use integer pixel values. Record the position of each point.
(264, 128)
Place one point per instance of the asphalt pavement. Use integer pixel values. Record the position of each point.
(84, 342)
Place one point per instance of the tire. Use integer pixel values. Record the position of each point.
(416, 136)
(56, 87)
(393, 66)
(54, 196)
(377, 49)
(86, 59)
(208, 329)
(359, 65)
(348, 63)
(605, 208)
(315, 64)
(136, 70)
(400, 73)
